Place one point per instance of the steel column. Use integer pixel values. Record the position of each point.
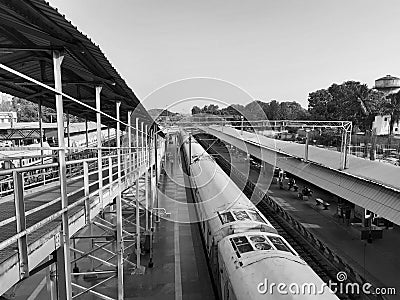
(86, 132)
(68, 132)
(21, 223)
(110, 172)
(120, 242)
(137, 142)
(137, 204)
(146, 182)
(190, 152)
(41, 128)
(151, 201)
(41, 138)
(86, 190)
(157, 219)
(50, 281)
(99, 145)
(130, 141)
(64, 285)
(306, 145)
(141, 143)
(108, 133)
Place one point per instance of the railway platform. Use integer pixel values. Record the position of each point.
(378, 262)
(180, 267)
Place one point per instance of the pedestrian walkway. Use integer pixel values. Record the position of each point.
(378, 262)
(180, 266)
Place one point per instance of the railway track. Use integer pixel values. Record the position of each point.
(318, 256)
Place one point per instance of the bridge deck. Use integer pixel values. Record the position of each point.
(384, 173)
(382, 199)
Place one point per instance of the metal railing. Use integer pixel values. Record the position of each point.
(76, 171)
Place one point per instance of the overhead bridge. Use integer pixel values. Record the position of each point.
(371, 185)
(90, 191)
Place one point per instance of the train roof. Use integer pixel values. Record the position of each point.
(257, 261)
(217, 190)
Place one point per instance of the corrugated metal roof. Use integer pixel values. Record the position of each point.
(33, 24)
(382, 200)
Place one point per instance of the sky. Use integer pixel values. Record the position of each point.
(268, 49)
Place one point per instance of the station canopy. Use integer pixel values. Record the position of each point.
(29, 33)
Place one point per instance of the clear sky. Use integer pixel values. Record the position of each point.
(273, 49)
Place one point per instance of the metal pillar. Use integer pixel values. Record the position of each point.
(68, 131)
(306, 146)
(109, 137)
(86, 132)
(137, 204)
(142, 144)
(43, 171)
(151, 203)
(146, 181)
(129, 142)
(64, 260)
(99, 145)
(41, 130)
(190, 152)
(157, 219)
(50, 281)
(21, 224)
(137, 142)
(120, 242)
(348, 129)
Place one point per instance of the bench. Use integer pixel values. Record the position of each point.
(319, 201)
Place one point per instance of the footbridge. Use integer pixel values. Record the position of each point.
(88, 210)
(372, 185)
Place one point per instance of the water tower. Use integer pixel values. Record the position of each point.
(388, 84)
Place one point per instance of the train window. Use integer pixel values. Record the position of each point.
(226, 217)
(241, 215)
(257, 239)
(245, 248)
(242, 244)
(262, 246)
(279, 244)
(256, 216)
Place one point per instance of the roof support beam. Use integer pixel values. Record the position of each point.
(31, 47)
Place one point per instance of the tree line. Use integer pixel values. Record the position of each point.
(349, 101)
(257, 110)
(28, 111)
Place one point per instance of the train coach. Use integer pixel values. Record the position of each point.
(243, 248)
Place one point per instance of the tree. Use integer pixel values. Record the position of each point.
(272, 110)
(26, 111)
(350, 101)
(318, 102)
(196, 110)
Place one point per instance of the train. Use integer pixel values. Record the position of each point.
(247, 256)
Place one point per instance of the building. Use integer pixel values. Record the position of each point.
(388, 84)
(8, 117)
(382, 125)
